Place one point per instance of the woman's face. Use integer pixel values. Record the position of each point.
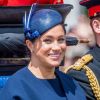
(49, 49)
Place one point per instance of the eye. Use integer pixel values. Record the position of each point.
(47, 41)
(61, 40)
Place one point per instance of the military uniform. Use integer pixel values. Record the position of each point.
(87, 72)
(87, 69)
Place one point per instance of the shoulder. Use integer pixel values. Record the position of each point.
(78, 65)
(79, 69)
(19, 74)
(68, 79)
(63, 75)
(72, 86)
(15, 80)
(14, 86)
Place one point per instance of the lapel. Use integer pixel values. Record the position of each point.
(68, 86)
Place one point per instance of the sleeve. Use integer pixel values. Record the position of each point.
(11, 91)
(82, 79)
(6, 93)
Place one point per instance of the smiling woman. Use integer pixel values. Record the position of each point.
(41, 80)
(49, 49)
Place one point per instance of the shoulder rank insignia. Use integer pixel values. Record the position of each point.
(78, 64)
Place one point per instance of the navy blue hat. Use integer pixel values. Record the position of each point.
(41, 20)
(93, 7)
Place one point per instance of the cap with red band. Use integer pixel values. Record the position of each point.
(93, 7)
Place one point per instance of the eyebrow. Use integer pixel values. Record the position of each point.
(48, 36)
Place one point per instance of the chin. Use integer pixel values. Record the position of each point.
(55, 64)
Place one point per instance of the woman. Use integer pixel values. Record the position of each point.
(41, 80)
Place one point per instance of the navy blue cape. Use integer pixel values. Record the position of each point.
(23, 85)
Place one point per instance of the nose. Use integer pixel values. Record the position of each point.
(56, 46)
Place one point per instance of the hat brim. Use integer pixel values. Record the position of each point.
(63, 9)
(89, 3)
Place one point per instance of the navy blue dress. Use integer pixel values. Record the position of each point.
(23, 85)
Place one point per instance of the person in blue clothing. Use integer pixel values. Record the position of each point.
(41, 78)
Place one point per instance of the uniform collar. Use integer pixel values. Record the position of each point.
(96, 53)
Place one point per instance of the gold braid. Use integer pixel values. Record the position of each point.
(93, 82)
(79, 65)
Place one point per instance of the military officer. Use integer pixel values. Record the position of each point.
(87, 69)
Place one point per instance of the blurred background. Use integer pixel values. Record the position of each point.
(78, 25)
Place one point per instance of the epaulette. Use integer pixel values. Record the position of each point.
(78, 64)
(81, 65)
